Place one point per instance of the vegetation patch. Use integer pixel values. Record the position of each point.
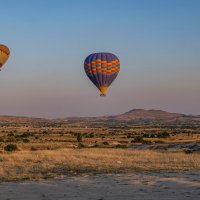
(10, 147)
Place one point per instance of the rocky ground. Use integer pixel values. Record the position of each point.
(188, 147)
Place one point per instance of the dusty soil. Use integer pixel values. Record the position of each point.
(139, 186)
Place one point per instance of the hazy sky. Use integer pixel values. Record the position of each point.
(157, 41)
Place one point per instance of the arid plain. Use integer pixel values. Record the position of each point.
(139, 140)
(141, 154)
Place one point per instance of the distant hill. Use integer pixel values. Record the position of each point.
(141, 116)
(19, 119)
(134, 116)
(147, 114)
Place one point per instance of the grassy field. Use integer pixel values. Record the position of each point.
(52, 136)
(53, 150)
(29, 165)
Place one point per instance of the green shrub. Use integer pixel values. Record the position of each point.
(105, 143)
(188, 151)
(26, 140)
(79, 137)
(129, 135)
(10, 134)
(163, 135)
(1, 139)
(81, 145)
(34, 149)
(138, 139)
(123, 146)
(159, 142)
(147, 135)
(11, 139)
(18, 139)
(44, 132)
(26, 134)
(89, 135)
(146, 142)
(10, 147)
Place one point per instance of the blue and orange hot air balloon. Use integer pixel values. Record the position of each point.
(102, 69)
(4, 54)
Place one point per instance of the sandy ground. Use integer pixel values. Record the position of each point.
(138, 186)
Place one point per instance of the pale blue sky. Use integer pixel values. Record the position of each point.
(157, 41)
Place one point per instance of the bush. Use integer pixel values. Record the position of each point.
(1, 139)
(10, 147)
(123, 146)
(11, 134)
(26, 134)
(79, 137)
(146, 142)
(44, 132)
(89, 135)
(34, 149)
(81, 145)
(105, 143)
(146, 135)
(188, 151)
(163, 135)
(129, 135)
(11, 139)
(138, 139)
(159, 142)
(25, 140)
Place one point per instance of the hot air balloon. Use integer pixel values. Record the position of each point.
(102, 69)
(4, 54)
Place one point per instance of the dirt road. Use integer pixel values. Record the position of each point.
(138, 186)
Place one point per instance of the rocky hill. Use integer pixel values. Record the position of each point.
(135, 116)
(141, 116)
(147, 114)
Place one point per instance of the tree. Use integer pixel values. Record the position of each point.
(79, 137)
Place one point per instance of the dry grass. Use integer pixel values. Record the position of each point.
(44, 164)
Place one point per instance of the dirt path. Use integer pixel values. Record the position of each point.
(138, 186)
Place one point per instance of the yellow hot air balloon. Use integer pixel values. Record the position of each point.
(4, 54)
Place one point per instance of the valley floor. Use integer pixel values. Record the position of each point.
(52, 164)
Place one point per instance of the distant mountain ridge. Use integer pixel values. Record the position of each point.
(147, 114)
(142, 116)
(21, 119)
(135, 115)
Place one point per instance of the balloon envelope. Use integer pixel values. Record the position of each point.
(4, 54)
(102, 69)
